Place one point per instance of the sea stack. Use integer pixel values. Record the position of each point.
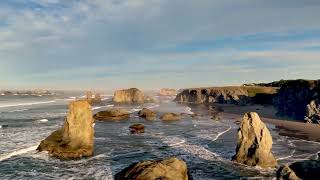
(89, 97)
(128, 96)
(254, 143)
(168, 169)
(167, 92)
(75, 139)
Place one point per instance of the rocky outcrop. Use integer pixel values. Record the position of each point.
(313, 112)
(308, 169)
(137, 128)
(75, 139)
(168, 169)
(93, 100)
(228, 95)
(115, 114)
(299, 99)
(128, 96)
(167, 92)
(170, 117)
(254, 143)
(148, 114)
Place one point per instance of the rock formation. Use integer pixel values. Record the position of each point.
(313, 112)
(149, 99)
(93, 100)
(128, 96)
(148, 114)
(294, 97)
(309, 169)
(228, 95)
(75, 138)
(168, 169)
(167, 92)
(254, 143)
(137, 128)
(115, 114)
(170, 117)
(89, 97)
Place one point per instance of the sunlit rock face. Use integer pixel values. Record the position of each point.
(75, 139)
(114, 114)
(168, 169)
(128, 96)
(308, 169)
(254, 143)
(167, 92)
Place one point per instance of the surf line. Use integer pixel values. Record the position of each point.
(221, 133)
(18, 152)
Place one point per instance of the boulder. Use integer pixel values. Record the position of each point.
(137, 128)
(254, 143)
(148, 114)
(167, 92)
(170, 117)
(115, 114)
(128, 96)
(313, 112)
(168, 169)
(75, 139)
(308, 169)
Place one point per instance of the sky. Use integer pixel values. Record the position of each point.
(112, 44)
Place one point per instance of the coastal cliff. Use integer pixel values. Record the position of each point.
(239, 95)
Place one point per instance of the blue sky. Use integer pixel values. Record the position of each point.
(111, 44)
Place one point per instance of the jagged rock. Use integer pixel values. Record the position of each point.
(308, 169)
(313, 112)
(170, 117)
(168, 169)
(115, 114)
(254, 143)
(148, 114)
(75, 139)
(285, 173)
(167, 92)
(137, 128)
(128, 96)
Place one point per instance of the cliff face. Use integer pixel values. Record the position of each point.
(298, 99)
(228, 95)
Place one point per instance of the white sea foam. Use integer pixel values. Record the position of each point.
(153, 106)
(287, 157)
(26, 104)
(19, 110)
(17, 152)
(43, 120)
(221, 133)
(188, 110)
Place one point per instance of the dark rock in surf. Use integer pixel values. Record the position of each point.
(137, 128)
(170, 117)
(148, 114)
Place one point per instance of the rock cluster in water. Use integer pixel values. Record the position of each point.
(254, 143)
(114, 114)
(93, 100)
(129, 96)
(168, 169)
(75, 139)
(308, 169)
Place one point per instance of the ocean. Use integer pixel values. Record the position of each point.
(206, 145)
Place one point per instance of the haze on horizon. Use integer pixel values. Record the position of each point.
(110, 44)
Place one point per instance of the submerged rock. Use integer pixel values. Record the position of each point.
(170, 117)
(254, 143)
(168, 169)
(148, 114)
(112, 114)
(137, 128)
(128, 96)
(75, 139)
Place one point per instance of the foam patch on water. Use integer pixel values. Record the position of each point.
(43, 120)
(18, 152)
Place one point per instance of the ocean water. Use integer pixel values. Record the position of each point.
(206, 145)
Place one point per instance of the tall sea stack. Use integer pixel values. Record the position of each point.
(75, 139)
